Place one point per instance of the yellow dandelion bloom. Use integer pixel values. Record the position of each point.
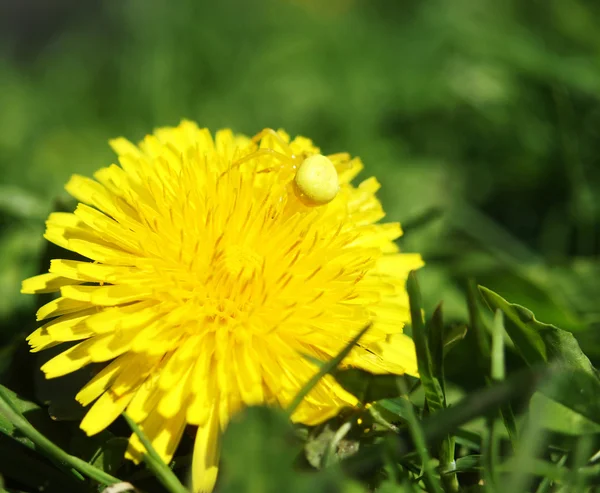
(215, 265)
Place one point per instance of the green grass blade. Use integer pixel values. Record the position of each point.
(490, 455)
(583, 451)
(482, 338)
(482, 402)
(326, 368)
(436, 343)
(498, 373)
(435, 428)
(498, 369)
(431, 385)
(530, 445)
(430, 479)
(155, 463)
(485, 358)
(446, 449)
(546, 483)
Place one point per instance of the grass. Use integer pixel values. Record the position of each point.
(419, 451)
(479, 118)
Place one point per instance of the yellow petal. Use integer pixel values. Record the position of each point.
(136, 315)
(62, 226)
(123, 147)
(270, 368)
(398, 265)
(134, 373)
(380, 236)
(90, 271)
(45, 283)
(205, 462)
(110, 230)
(93, 193)
(175, 399)
(70, 327)
(102, 380)
(202, 385)
(247, 372)
(145, 400)
(40, 339)
(348, 171)
(68, 361)
(44, 337)
(60, 306)
(96, 249)
(164, 434)
(400, 349)
(181, 360)
(104, 411)
(104, 295)
(96, 349)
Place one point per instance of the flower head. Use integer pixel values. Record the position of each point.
(214, 266)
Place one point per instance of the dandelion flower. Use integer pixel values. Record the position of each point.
(214, 266)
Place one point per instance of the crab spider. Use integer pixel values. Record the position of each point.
(315, 180)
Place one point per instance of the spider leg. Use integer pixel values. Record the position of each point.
(264, 152)
(282, 158)
(269, 132)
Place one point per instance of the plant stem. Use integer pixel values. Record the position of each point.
(154, 462)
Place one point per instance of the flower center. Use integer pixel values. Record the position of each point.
(241, 262)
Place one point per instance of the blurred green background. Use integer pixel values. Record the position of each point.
(480, 118)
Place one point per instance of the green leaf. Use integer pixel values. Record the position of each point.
(559, 418)
(73, 465)
(468, 439)
(563, 348)
(59, 394)
(521, 327)
(574, 383)
(469, 463)
(576, 390)
(395, 406)
(482, 403)
(21, 464)
(368, 387)
(538, 341)
(35, 415)
(259, 450)
(431, 385)
(453, 335)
